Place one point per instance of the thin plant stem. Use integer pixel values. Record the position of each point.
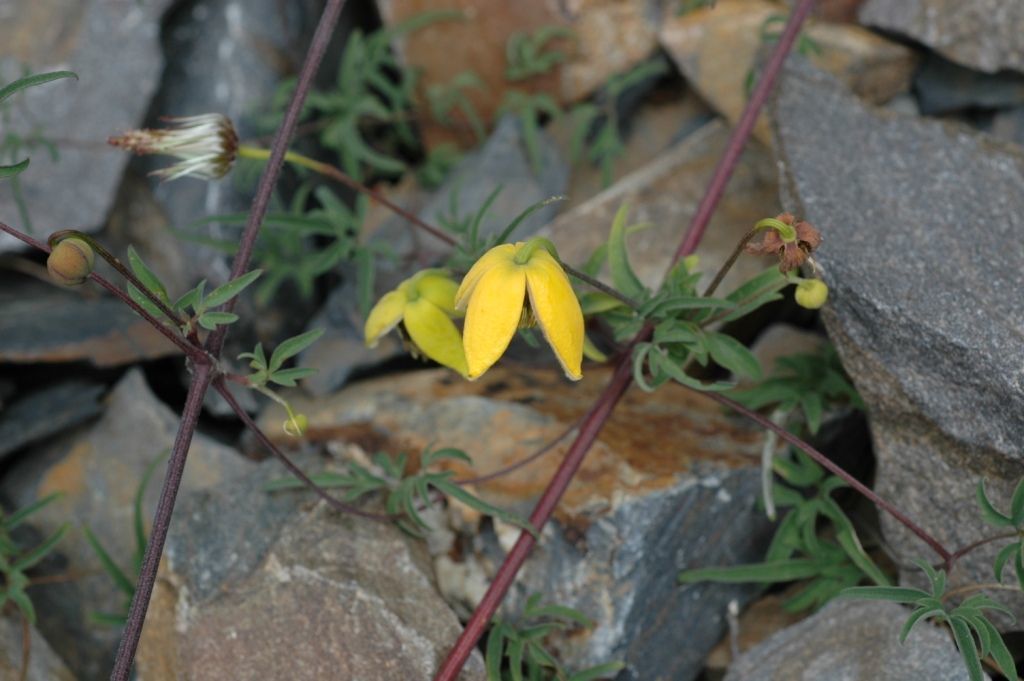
(337, 174)
(119, 266)
(828, 464)
(964, 550)
(201, 378)
(729, 160)
(275, 160)
(971, 588)
(727, 265)
(190, 350)
(224, 392)
(621, 379)
(203, 373)
(522, 462)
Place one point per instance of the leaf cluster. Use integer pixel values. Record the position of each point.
(976, 637)
(532, 54)
(815, 542)
(446, 98)
(406, 496)
(203, 305)
(271, 371)
(1015, 520)
(16, 560)
(125, 583)
(809, 381)
(516, 652)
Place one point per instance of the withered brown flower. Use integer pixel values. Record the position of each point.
(793, 253)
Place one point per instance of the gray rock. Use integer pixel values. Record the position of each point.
(46, 412)
(97, 469)
(619, 566)
(983, 34)
(255, 587)
(43, 663)
(921, 224)
(114, 47)
(853, 641)
(943, 86)
(43, 323)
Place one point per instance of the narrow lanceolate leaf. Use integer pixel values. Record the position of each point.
(494, 651)
(223, 294)
(968, 650)
(145, 303)
(776, 571)
(146, 275)
(1000, 652)
(211, 320)
(1004, 555)
(897, 594)
(41, 551)
(292, 347)
(450, 489)
(29, 81)
(988, 512)
(116, 573)
(21, 514)
(601, 671)
(917, 616)
(730, 354)
(1017, 505)
(623, 276)
(11, 171)
(288, 377)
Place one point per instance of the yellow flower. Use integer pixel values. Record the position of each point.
(424, 305)
(515, 285)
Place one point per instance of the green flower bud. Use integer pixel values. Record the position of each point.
(70, 262)
(811, 293)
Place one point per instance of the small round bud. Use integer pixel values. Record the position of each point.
(811, 293)
(70, 262)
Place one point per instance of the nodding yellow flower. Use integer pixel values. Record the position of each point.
(424, 305)
(519, 285)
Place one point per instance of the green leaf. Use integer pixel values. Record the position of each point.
(1000, 652)
(1003, 556)
(138, 512)
(507, 232)
(143, 301)
(429, 457)
(223, 294)
(293, 346)
(147, 276)
(108, 619)
(514, 651)
(40, 551)
(623, 276)
(448, 488)
(730, 354)
(608, 669)
(661, 363)
(563, 612)
(767, 573)
(596, 302)
(21, 599)
(22, 514)
(915, 617)
(968, 651)
(896, 594)
(494, 652)
(1017, 504)
(211, 320)
(31, 81)
(988, 511)
(116, 573)
(193, 298)
(288, 377)
(12, 170)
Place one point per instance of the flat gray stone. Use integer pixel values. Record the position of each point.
(987, 35)
(114, 47)
(922, 224)
(47, 412)
(97, 469)
(43, 663)
(853, 641)
(260, 585)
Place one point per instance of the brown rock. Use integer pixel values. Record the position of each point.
(717, 49)
(610, 36)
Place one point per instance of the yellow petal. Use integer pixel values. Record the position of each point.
(384, 316)
(557, 311)
(435, 334)
(439, 289)
(498, 254)
(493, 314)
